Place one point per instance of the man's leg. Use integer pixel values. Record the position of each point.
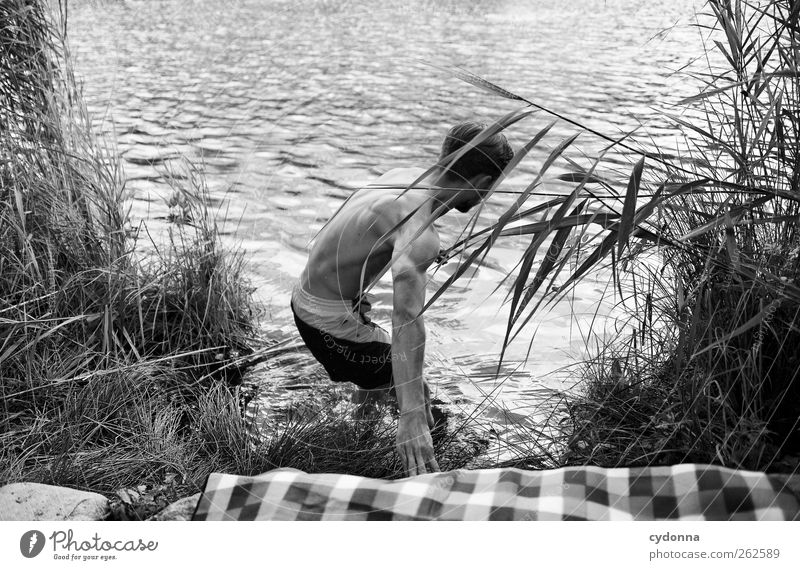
(369, 401)
(368, 365)
(373, 376)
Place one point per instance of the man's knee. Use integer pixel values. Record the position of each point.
(365, 394)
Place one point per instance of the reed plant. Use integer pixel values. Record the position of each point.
(703, 251)
(723, 309)
(710, 278)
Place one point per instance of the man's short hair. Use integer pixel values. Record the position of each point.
(489, 157)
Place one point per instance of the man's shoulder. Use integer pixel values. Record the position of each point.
(386, 201)
(403, 175)
(420, 245)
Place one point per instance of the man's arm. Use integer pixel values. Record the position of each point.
(414, 441)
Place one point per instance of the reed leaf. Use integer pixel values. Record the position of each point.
(536, 242)
(719, 221)
(751, 323)
(475, 80)
(730, 241)
(547, 264)
(626, 221)
(506, 217)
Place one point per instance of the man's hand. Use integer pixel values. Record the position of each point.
(414, 444)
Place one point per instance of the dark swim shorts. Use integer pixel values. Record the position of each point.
(366, 364)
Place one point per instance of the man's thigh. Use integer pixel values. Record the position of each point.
(368, 365)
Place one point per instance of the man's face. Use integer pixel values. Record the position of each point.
(475, 194)
(473, 199)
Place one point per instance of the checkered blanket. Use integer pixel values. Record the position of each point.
(679, 492)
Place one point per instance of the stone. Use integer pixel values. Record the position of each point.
(38, 502)
(181, 510)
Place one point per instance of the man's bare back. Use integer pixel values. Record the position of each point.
(360, 238)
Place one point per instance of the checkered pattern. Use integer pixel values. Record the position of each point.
(679, 492)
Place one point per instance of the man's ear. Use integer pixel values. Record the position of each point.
(481, 181)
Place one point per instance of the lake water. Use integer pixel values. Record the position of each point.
(290, 105)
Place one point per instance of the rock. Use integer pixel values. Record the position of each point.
(37, 502)
(181, 510)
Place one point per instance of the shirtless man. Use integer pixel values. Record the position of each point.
(356, 247)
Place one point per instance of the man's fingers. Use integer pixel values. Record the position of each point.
(410, 461)
(415, 461)
(415, 447)
(425, 460)
(429, 460)
(429, 416)
(428, 411)
(420, 459)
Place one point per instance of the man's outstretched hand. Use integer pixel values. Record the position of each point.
(415, 445)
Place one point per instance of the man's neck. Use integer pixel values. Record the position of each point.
(439, 195)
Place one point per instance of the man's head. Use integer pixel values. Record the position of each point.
(480, 166)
